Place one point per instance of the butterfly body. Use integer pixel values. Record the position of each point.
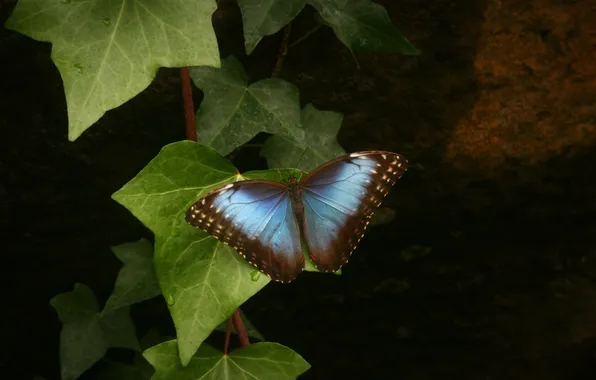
(330, 208)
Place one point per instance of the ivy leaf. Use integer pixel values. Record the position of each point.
(202, 280)
(259, 361)
(319, 146)
(136, 281)
(85, 336)
(251, 330)
(359, 24)
(119, 329)
(109, 51)
(363, 25)
(263, 18)
(233, 112)
(179, 175)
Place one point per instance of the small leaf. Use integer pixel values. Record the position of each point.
(233, 112)
(363, 25)
(85, 337)
(109, 51)
(263, 18)
(251, 331)
(136, 281)
(82, 341)
(319, 145)
(152, 338)
(119, 329)
(259, 361)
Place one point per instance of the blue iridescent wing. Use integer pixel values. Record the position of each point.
(256, 219)
(339, 199)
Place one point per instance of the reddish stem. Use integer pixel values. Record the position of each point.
(240, 330)
(228, 333)
(191, 134)
(189, 109)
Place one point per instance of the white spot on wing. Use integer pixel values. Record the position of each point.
(356, 154)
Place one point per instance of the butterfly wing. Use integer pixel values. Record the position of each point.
(339, 200)
(256, 219)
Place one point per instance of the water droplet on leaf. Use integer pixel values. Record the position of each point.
(255, 275)
(65, 1)
(170, 299)
(79, 68)
(106, 21)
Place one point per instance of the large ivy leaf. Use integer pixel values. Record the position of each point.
(319, 146)
(108, 51)
(233, 112)
(203, 280)
(259, 361)
(85, 336)
(136, 281)
(263, 18)
(363, 25)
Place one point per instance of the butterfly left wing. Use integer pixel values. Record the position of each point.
(256, 219)
(339, 200)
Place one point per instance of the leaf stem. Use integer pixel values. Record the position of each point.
(191, 134)
(189, 109)
(240, 330)
(306, 35)
(283, 50)
(228, 333)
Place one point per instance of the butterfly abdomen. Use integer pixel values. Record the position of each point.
(297, 205)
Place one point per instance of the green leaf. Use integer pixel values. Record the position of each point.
(251, 330)
(263, 18)
(85, 337)
(202, 280)
(183, 171)
(109, 51)
(136, 281)
(259, 361)
(233, 112)
(363, 25)
(119, 329)
(319, 146)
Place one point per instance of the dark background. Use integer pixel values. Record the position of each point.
(498, 119)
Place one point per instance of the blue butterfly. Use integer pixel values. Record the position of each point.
(330, 208)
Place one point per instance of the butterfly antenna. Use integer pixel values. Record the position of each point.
(300, 159)
(278, 171)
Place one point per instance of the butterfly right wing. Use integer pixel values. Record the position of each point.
(340, 198)
(255, 218)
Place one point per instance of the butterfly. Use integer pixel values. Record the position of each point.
(330, 209)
